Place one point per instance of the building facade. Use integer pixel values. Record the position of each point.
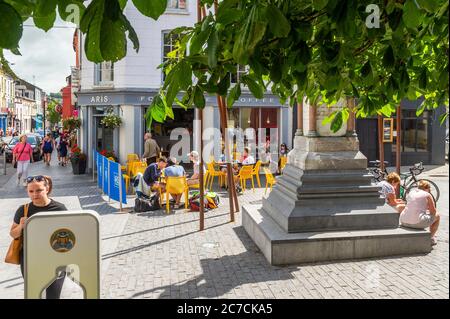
(128, 87)
(28, 107)
(7, 109)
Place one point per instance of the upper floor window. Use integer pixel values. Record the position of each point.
(104, 73)
(236, 77)
(169, 44)
(176, 4)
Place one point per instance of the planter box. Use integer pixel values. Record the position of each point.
(78, 166)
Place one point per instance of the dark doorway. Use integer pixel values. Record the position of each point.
(367, 130)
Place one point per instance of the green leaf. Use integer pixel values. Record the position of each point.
(67, 12)
(319, 4)
(131, 32)
(198, 40)
(304, 31)
(388, 58)
(234, 95)
(45, 8)
(412, 17)
(228, 16)
(423, 78)
(337, 122)
(91, 24)
(254, 87)
(213, 43)
(443, 118)
(429, 5)
(45, 23)
(11, 26)
(278, 24)
(224, 84)
(199, 98)
(151, 8)
(367, 73)
(112, 40)
(250, 34)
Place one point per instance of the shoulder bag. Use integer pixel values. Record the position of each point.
(13, 254)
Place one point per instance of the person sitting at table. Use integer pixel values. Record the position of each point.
(175, 170)
(246, 158)
(144, 182)
(194, 158)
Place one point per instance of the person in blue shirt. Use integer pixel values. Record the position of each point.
(143, 183)
(175, 170)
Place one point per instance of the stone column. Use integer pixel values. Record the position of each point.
(325, 207)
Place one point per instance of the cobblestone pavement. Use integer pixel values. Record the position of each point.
(158, 255)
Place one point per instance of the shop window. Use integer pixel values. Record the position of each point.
(414, 132)
(176, 4)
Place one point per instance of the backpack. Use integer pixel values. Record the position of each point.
(147, 204)
(211, 200)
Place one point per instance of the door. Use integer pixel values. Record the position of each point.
(367, 130)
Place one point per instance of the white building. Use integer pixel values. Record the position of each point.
(129, 85)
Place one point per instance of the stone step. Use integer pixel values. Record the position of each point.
(281, 248)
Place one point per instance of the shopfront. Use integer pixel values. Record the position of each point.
(423, 138)
(267, 116)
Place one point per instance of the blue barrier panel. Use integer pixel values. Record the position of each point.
(105, 175)
(115, 177)
(99, 170)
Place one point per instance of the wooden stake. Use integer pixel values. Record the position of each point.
(398, 143)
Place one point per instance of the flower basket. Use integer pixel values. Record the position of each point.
(111, 120)
(71, 123)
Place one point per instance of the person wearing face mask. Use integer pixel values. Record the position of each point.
(38, 187)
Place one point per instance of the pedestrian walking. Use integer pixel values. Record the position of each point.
(62, 148)
(47, 148)
(22, 156)
(39, 188)
(151, 149)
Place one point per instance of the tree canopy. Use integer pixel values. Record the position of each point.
(378, 51)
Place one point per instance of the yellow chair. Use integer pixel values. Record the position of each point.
(270, 180)
(283, 161)
(126, 178)
(213, 173)
(132, 158)
(139, 167)
(205, 182)
(176, 185)
(255, 172)
(245, 173)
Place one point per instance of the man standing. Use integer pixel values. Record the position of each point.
(151, 149)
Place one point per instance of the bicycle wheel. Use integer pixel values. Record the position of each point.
(434, 189)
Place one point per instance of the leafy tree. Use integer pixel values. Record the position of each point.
(54, 117)
(324, 49)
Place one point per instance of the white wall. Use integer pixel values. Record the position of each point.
(139, 70)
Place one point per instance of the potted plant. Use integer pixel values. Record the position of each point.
(78, 160)
(109, 154)
(111, 120)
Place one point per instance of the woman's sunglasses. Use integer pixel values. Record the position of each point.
(37, 178)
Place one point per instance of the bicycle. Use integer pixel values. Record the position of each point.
(409, 180)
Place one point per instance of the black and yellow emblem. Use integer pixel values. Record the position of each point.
(62, 240)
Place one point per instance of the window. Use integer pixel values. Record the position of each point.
(235, 77)
(169, 44)
(176, 4)
(104, 73)
(414, 132)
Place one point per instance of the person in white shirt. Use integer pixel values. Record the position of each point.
(388, 191)
(194, 157)
(420, 211)
(247, 159)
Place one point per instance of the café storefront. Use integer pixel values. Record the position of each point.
(267, 114)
